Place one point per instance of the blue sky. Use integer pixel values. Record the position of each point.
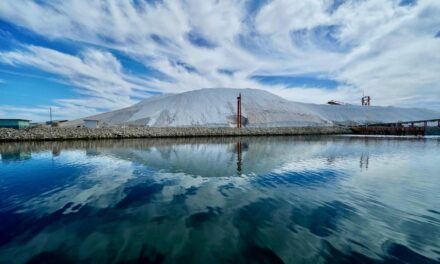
(84, 57)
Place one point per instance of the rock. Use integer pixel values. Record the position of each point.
(57, 133)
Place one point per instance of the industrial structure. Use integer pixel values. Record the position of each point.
(366, 100)
(239, 111)
(417, 127)
(334, 102)
(14, 123)
(91, 123)
(55, 122)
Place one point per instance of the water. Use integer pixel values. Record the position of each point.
(248, 200)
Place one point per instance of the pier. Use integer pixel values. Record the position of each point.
(417, 128)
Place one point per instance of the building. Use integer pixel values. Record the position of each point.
(14, 123)
(91, 123)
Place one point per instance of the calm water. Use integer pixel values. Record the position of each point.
(248, 200)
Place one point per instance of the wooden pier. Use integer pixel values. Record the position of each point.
(416, 128)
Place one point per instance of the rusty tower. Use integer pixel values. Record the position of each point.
(239, 111)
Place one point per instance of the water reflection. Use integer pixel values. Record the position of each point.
(239, 158)
(239, 200)
(56, 151)
(365, 158)
(8, 156)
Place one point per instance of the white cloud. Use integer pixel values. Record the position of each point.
(282, 16)
(380, 47)
(97, 75)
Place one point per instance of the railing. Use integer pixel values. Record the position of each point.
(411, 123)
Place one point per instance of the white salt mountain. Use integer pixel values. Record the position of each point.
(218, 107)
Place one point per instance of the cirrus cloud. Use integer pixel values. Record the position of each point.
(388, 49)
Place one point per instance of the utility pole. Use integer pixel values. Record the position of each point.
(50, 109)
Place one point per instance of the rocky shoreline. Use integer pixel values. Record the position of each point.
(56, 133)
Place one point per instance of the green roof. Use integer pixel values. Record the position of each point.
(13, 119)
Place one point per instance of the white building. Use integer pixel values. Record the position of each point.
(91, 123)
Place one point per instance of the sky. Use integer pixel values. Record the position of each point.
(82, 57)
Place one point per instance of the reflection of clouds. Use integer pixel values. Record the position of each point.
(291, 203)
(396, 193)
(402, 179)
(101, 186)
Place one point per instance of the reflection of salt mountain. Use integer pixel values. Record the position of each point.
(217, 107)
(229, 157)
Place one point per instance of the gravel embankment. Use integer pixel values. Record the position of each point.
(34, 134)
